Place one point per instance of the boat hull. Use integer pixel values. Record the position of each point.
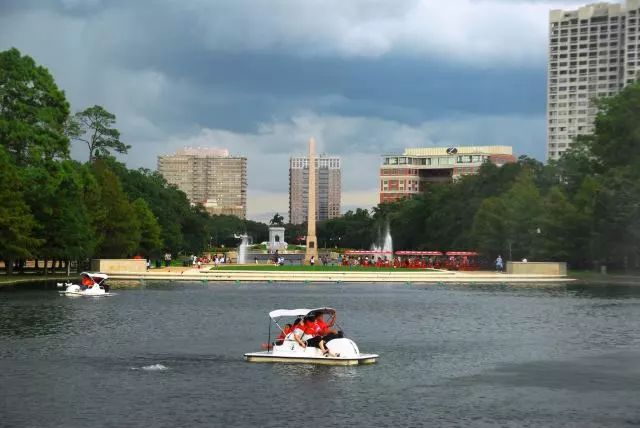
(269, 357)
(80, 293)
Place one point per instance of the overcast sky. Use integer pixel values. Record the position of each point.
(365, 77)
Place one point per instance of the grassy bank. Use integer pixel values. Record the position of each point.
(305, 268)
(591, 277)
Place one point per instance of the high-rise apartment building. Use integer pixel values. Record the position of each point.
(410, 173)
(593, 53)
(210, 177)
(328, 188)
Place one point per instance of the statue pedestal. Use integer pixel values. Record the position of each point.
(276, 239)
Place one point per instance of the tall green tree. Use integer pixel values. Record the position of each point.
(150, 231)
(616, 140)
(559, 228)
(66, 222)
(523, 210)
(115, 221)
(489, 228)
(33, 111)
(95, 127)
(17, 224)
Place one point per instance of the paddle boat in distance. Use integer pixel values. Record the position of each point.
(93, 284)
(289, 351)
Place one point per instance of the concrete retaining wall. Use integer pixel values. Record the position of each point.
(340, 276)
(537, 268)
(118, 265)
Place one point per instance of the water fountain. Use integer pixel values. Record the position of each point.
(385, 249)
(242, 250)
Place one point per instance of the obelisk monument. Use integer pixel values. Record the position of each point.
(312, 243)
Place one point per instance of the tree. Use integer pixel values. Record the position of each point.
(116, 223)
(67, 228)
(150, 230)
(94, 127)
(616, 140)
(489, 229)
(17, 224)
(523, 208)
(559, 229)
(33, 111)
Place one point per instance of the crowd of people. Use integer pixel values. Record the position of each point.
(311, 331)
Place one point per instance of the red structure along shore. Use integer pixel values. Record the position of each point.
(450, 260)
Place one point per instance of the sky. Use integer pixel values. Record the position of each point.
(364, 77)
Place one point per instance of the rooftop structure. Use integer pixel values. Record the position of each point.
(410, 173)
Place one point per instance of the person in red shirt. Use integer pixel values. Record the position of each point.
(86, 283)
(325, 329)
(312, 333)
(283, 334)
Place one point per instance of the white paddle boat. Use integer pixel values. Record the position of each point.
(342, 351)
(91, 284)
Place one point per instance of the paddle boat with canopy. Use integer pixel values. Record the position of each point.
(91, 284)
(289, 351)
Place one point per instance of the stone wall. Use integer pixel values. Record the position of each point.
(118, 265)
(537, 268)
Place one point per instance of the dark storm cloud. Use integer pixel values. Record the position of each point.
(365, 77)
(258, 87)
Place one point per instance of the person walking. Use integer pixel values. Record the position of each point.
(499, 264)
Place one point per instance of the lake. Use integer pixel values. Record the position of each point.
(170, 354)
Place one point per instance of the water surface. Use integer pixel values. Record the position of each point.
(170, 354)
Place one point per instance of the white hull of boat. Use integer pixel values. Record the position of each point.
(270, 357)
(346, 351)
(80, 293)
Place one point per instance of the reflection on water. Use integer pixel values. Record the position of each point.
(170, 354)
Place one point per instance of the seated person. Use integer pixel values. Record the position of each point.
(312, 336)
(86, 283)
(283, 334)
(325, 329)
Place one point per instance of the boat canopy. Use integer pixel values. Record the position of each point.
(96, 277)
(461, 253)
(419, 253)
(278, 313)
(366, 252)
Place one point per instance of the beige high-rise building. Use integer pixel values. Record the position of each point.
(210, 177)
(328, 188)
(593, 53)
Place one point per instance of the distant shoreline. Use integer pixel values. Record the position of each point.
(238, 275)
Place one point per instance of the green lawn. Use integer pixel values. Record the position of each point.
(305, 268)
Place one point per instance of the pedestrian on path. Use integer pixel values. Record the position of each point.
(499, 264)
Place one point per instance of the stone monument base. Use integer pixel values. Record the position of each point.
(537, 268)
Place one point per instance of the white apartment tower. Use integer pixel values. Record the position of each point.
(593, 53)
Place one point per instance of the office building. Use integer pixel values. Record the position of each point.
(410, 173)
(210, 177)
(593, 53)
(328, 188)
